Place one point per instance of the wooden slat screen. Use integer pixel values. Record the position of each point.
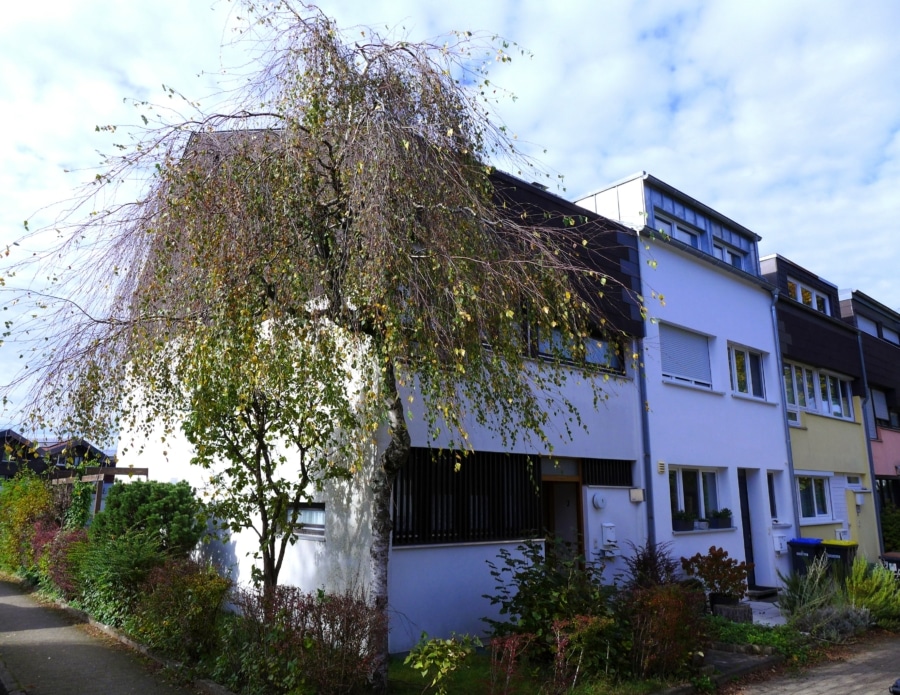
(492, 497)
(610, 472)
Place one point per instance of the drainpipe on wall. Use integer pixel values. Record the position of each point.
(876, 498)
(645, 438)
(787, 427)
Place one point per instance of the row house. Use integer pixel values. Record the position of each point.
(714, 430)
(734, 388)
(825, 392)
(879, 329)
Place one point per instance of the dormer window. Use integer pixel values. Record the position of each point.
(731, 256)
(677, 231)
(807, 296)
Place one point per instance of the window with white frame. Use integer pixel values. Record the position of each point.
(746, 371)
(730, 255)
(816, 391)
(678, 231)
(693, 490)
(597, 352)
(310, 519)
(685, 356)
(814, 494)
(807, 295)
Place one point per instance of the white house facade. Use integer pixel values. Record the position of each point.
(715, 429)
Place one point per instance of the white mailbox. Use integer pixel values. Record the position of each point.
(780, 542)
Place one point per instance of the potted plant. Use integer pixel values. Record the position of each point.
(701, 524)
(683, 521)
(723, 577)
(720, 518)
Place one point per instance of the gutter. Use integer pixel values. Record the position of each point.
(645, 437)
(876, 498)
(787, 428)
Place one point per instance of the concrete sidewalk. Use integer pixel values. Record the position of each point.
(45, 651)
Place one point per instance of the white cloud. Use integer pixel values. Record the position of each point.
(784, 116)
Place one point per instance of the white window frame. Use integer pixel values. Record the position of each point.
(814, 390)
(684, 356)
(707, 483)
(752, 371)
(820, 489)
(808, 296)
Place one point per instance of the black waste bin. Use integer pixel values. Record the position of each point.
(803, 552)
(841, 555)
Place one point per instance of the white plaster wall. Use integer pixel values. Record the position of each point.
(714, 428)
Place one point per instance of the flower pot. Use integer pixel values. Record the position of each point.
(716, 599)
(720, 522)
(682, 524)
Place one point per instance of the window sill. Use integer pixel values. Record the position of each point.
(822, 521)
(690, 386)
(697, 531)
(752, 399)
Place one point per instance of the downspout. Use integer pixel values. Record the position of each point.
(876, 498)
(787, 428)
(645, 438)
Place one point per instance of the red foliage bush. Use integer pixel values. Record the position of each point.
(62, 561)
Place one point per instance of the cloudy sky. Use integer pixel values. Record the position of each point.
(783, 114)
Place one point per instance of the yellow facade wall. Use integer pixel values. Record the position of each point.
(829, 445)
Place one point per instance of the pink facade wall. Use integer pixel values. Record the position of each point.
(886, 452)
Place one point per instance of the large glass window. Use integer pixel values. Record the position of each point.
(746, 371)
(814, 495)
(816, 392)
(693, 490)
(677, 231)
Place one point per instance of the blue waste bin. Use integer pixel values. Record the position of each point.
(803, 552)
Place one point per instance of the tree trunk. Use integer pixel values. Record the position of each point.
(391, 461)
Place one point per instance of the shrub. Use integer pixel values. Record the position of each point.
(437, 658)
(288, 641)
(63, 559)
(833, 623)
(719, 573)
(808, 592)
(785, 639)
(24, 500)
(179, 608)
(665, 627)
(169, 511)
(111, 571)
(875, 588)
(890, 527)
(649, 565)
(534, 588)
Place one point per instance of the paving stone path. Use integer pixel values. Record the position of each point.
(44, 651)
(867, 669)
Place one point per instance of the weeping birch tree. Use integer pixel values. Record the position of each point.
(291, 265)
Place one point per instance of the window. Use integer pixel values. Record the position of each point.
(442, 496)
(693, 490)
(867, 325)
(685, 356)
(806, 295)
(746, 371)
(890, 335)
(814, 495)
(815, 392)
(310, 519)
(729, 255)
(597, 352)
(773, 502)
(679, 232)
